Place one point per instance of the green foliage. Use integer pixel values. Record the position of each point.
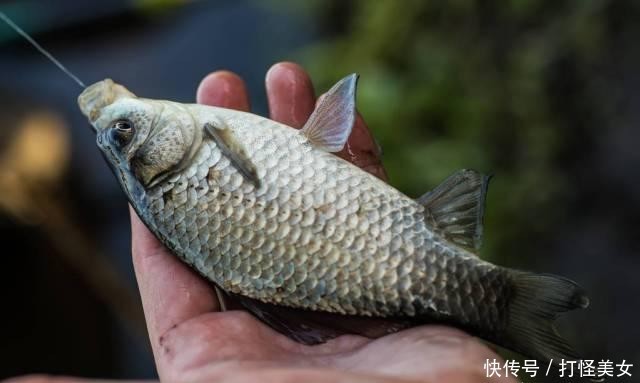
(449, 85)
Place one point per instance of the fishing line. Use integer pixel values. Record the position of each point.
(48, 55)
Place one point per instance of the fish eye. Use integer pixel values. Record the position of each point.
(121, 132)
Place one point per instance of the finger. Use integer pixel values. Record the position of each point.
(225, 89)
(363, 151)
(290, 94)
(312, 375)
(64, 379)
(425, 351)
(171, 292)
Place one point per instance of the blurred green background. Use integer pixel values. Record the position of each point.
(543, 94)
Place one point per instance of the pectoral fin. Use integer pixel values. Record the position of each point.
(234, 151)
(331, 122)
(456, 207)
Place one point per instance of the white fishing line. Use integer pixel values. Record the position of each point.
(48, 55)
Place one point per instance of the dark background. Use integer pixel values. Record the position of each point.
(543, 94)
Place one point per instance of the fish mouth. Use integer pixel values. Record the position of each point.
(130, 185)
(99, 95)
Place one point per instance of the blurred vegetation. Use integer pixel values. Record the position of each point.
(472, 84)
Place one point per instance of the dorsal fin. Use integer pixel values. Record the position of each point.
(456, 207)
(330, 124)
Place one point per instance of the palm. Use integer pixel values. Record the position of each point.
(233, 345)
(193, 341)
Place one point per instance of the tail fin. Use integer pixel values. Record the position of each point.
(537, 301)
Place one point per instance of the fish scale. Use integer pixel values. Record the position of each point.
(229, 192)
(309, 243)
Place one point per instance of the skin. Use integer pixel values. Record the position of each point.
(192, 340)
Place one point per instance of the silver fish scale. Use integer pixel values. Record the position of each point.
(318, 234)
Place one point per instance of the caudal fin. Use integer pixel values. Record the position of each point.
(537, 301)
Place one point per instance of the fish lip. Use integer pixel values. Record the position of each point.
(94, 98)
(119, 166)
(131, 187)
(99, 95)
(129, 183)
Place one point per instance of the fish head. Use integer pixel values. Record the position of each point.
(143, 140)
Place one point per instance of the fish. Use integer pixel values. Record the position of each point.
(309, 243)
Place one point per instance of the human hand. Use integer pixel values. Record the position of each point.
(193, 341)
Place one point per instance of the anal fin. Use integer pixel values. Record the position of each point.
(313, 327)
